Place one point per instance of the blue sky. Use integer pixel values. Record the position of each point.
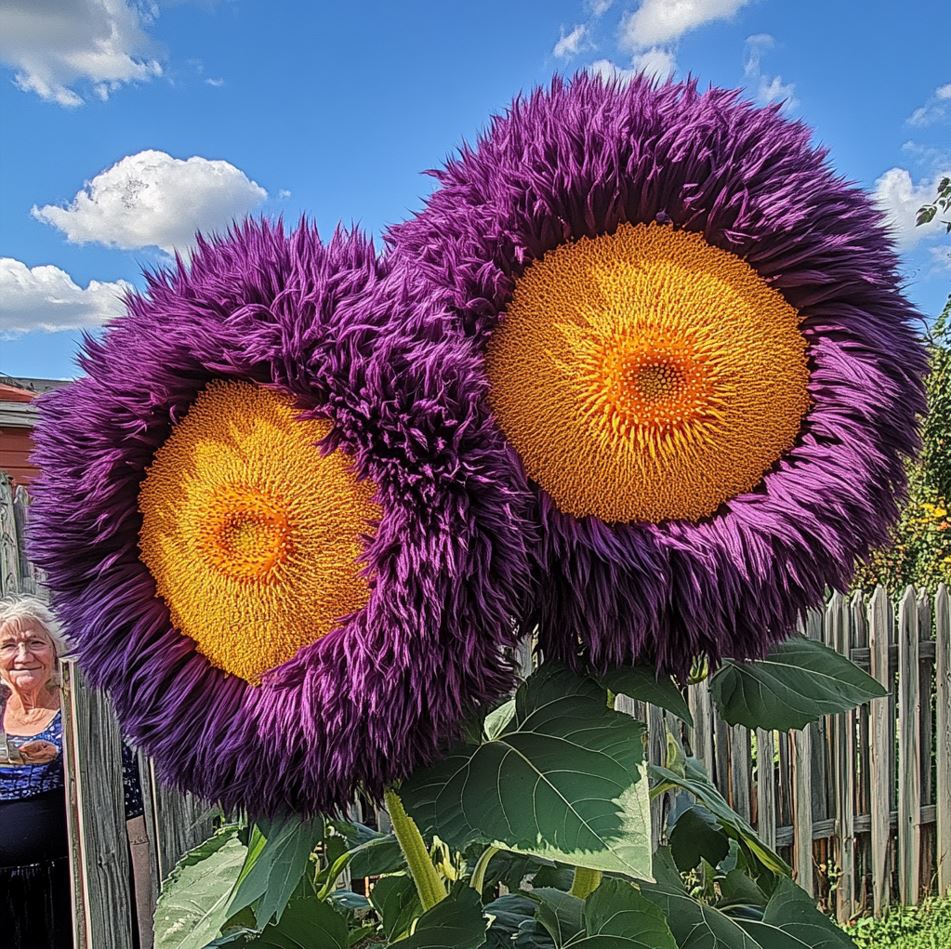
(126, 124)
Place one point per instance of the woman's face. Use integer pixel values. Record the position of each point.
(27, 656)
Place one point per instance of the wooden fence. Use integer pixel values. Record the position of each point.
(860, 804)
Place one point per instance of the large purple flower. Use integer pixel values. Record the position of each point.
(697, 349)
(279, 526)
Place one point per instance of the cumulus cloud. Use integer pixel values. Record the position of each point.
(608, 70)
(766, 88)
(900, 196)
(54, 44)
(570, 43)
(46, 298)
(658, 63)
(599, 7)
(151, 199)
(936, 109)
(660, 22)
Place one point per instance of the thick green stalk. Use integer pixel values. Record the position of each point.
(478, 874)
(585, 882)
(429, 884)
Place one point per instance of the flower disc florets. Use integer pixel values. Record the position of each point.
(290, 549)
(696, 346)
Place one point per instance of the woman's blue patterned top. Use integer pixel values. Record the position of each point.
(28, 780)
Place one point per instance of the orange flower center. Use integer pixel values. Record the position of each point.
(646, 375)
(254, 537)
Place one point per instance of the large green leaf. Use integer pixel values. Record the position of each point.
(797, 683)
(397, 902)
(697, 835)
(792, 921)
(617, 916)
(278, 852)
(642, 683)
(304, 923)
(512, 923)
(194, 902)
(454, 923)
(695, 781)
(564, 780)
(694, 925)
(560, 913)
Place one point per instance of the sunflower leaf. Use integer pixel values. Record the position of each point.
(564, 780)
(194, 902)
(798, 682)
(276, 860)
(454, 923)
(642, 683)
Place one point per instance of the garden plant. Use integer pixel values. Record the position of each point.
(637, 386)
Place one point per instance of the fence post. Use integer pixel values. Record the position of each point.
(843, 767)
(942, 611)
(99, 858)
(9, 540)
(909, 721)
(766, 787)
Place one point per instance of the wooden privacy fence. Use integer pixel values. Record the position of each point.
(860, 804)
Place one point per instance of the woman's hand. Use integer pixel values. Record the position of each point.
(39, 752)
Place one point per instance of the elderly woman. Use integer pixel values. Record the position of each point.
(34, 868)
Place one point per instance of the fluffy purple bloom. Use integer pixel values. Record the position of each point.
(579, 160)
(365, 704)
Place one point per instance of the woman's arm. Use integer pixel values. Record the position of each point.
(141, 879)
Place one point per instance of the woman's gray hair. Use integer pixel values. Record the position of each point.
(25, 607)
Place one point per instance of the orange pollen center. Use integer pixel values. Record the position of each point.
(244, 534)
(646, 375)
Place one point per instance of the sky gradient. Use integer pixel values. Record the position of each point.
(127, 125)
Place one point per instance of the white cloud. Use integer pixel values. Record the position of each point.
(609, 70)
(599, 7)
(151, 199)
(766, 88)
(54, 44)
(48, 299)
(899, 196)
(570, 43)
(217, 83)
(658, 63)
(936, 109)
(658, 22)
(283, 193)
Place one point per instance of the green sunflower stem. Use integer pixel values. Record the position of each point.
(585, 882)
(429, 884)
(478, 874)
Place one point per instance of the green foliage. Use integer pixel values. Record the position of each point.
(564, 780)
(643, 684)
(194, 903)
(940, 205)
(277, 855)
(556, 773)
(912, 927)
(919, 551)
(798, 682)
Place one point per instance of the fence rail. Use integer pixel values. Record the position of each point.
(860, 803)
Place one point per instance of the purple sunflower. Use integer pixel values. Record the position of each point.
(288, 546)
(693, 339)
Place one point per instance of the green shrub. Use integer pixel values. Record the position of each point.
(906, 927)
